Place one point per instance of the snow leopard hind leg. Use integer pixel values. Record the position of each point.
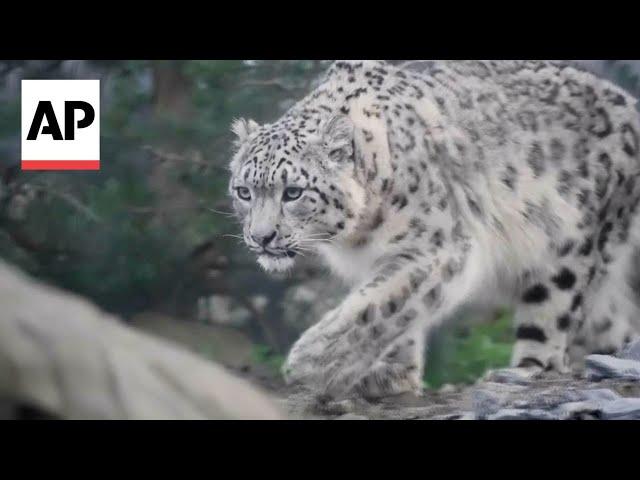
(589, 303)
(581, 302)
(612, 302)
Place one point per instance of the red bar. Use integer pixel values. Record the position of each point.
(60, 164)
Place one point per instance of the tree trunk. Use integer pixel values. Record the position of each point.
(171, 88)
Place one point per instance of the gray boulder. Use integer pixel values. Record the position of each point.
(598, 367)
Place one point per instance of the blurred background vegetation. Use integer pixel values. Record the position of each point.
(147, 237)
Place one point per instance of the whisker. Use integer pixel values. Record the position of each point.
(319, 235)
(312, 242)
(298, 248)
(304, 243)
(311, 237)
(228, 214)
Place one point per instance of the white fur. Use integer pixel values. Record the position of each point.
(275, 264)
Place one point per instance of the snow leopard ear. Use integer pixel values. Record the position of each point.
(337, 138)
(243, 129)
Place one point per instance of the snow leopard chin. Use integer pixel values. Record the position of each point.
(272, 264)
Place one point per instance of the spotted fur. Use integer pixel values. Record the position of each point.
(442, 185)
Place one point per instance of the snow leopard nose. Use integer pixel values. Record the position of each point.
(264, 240)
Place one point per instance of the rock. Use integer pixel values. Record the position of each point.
(456, 416)
(223, 310)
(335, 407)
(591, 406)
(632, 351)
(546, 397)
(514, 376)
(553, 404)
(551, 398)
(260, 303)
(351, 416)
(502, 401)
(598, 367)
(491, 397)
(468, 416)
(621, 409)
(307, 301)
(576, 410)
(448, 388)
(600, 395)
(521, 414)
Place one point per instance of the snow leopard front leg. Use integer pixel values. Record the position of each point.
(372, 345)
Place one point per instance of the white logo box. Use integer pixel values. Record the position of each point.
(47, 153)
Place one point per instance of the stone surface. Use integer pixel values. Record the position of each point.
(622, 409)
(490, 397)
(521, 414)
(632, 351)
(225, 310)
(611, 393)
(352, 416)
(607, 366)
(516, 376)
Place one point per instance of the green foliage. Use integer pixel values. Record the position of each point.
(265, 355)
(112, 256)
(9, 118)
(122, 236)
(462, 353)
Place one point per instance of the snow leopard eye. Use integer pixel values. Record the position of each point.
(291, 193)
(243, 193)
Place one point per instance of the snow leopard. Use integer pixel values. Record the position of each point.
(442, 186)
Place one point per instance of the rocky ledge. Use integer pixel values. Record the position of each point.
(608, 389)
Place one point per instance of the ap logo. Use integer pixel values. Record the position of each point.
(60, 124)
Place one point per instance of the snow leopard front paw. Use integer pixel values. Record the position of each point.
(304, 363)
(337, 370)
(366, 348)
(388, 380)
